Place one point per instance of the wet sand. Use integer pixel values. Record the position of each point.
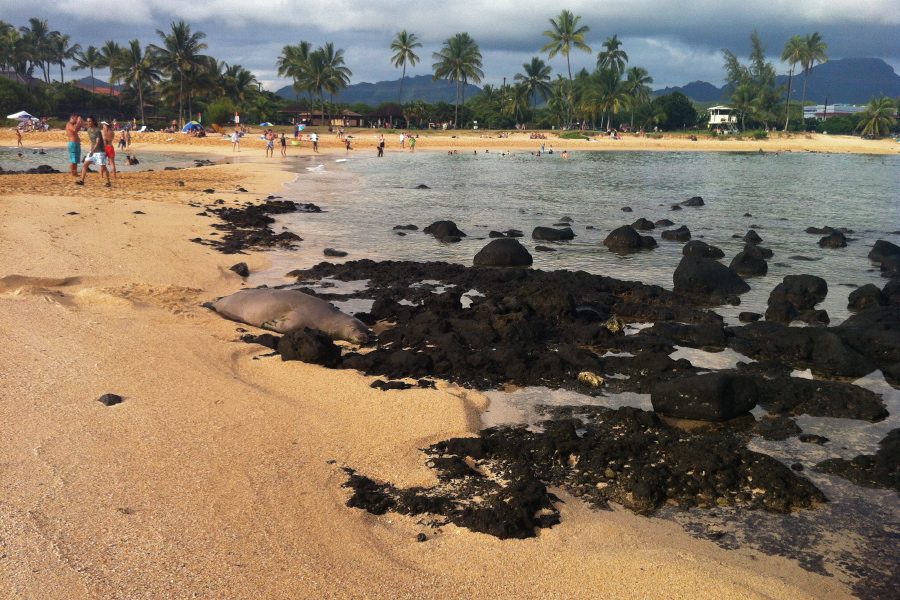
(220, 475)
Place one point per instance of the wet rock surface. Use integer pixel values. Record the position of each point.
(248, 228)
(879, 470)
(503, 252)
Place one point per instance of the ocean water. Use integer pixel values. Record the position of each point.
(854, 536)
(58, 158)
(365, 197)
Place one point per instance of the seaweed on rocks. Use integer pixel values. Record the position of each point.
(496, 483)
(248, 228)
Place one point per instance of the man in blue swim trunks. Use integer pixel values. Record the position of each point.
(72, 129)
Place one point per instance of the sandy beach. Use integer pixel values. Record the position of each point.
(220, 474)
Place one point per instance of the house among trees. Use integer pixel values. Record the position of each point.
(820, 112)
(386, 114)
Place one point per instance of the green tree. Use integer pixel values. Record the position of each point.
(180, 53)
(756, 80)
(638, 87)
(89, 59)
(813, 53)
(110, 51)
(63, 51)
(877, 119)
(793, 54)
(564, 34)
(536, 80)
(137, 69)
(459, 61)
(293, 63)
(403, 47)
(613, 57)
(680, 113)
(37, 38)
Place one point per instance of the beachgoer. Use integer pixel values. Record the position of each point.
(283, 146)
(128, 139)
(122, 142)
(270, 143)
(236, 140)
(412, 144)
(402, 140)
(19, 137)
(315, 140)
(74, 145)
(108, 137)
(96, 154)
(381, 147)
(348, 144)
(565, 154)
(550, 151)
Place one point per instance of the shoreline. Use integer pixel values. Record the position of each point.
(227, 470)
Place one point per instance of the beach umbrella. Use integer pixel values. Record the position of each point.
(192, 126)
(265, 124)
(20, 115)
(301, 126)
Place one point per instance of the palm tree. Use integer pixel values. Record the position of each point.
(293, 62)
(111, 52)
(179, 53)
(337, 75)
(38, 40)
(135, 66)
(89, 59)
(637, 85)
(813, 53)
(877, 119)
(792, 54)
(565, 34)
(459, 60)
(612, 57)
(536, 80)
(62, 52)
(606, 93)
(403, 53)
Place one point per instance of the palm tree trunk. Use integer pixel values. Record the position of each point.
(400, 95)
(787, 111)
(181, 99)
(93, 86)
(806, 81)
(141, 99)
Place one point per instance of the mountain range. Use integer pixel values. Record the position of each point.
(418, 87)
(839, 81)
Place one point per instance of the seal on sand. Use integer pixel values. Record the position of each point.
(287, 310)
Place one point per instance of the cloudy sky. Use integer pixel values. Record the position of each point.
(676, 41)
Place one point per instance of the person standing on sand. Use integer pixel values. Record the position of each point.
(96, 155)
(412, 144)
(315, 140)
(19, 143)
(74, 145)
(402, 140)
(109, 136)
(381, 147)
(283, 146)
(270, 143)
(236, 140)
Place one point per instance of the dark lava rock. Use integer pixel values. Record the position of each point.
(241, 269)
(626, 209)
(496, 234)
(890, 266)
(334, 253)
(696, 275)
(627, 456)
(749, 263)
(874, 333)
(265, 339)
(676, 207)
(801, 291)
(626, 239)
(891, 291)
(380, 384)
(422, 186)
(866, 297)
(209, 191)
(881, 249)
(811, 438)
(703, 335)
(503, 252)
(749, 317)
(682, 234)
(643, 224)
(835, 239)
(406, 227)
(701, 249)
(664, 223)
(751, 237)
(514, 233)
(567, 219)
(797, 396)
(110, 399)
(444, 229)
(777, 428)
(879, 470)
(695, 201)
(544, 249)
(766, 253)
(713, 397)
(248, 228)
(552, 235)
(310, 346)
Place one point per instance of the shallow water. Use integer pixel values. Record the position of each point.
(364, 198)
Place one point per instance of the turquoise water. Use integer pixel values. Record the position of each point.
(784, 192)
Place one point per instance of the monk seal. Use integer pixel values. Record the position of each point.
(287, 310)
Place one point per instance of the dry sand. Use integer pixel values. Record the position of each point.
(220, 475)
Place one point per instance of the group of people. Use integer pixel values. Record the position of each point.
(101, 152)
(270, 137)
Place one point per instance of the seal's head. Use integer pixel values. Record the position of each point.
(355, 332)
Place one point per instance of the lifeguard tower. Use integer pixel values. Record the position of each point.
(721, 117)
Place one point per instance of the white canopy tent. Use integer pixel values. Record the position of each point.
(23, 116)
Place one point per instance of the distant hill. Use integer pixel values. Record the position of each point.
(98, 83)
(419, 87)
(841, 81)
